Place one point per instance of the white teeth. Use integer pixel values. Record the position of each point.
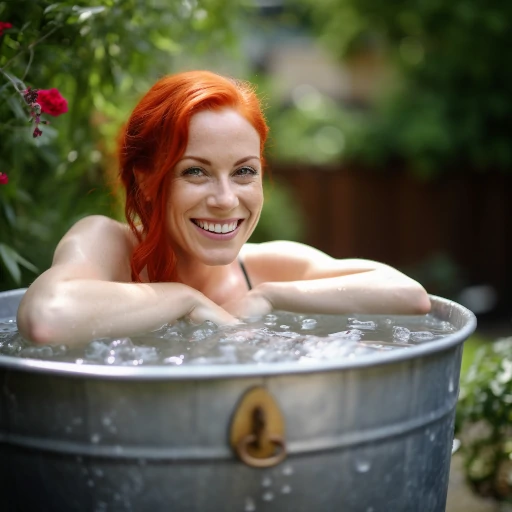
(217, 228)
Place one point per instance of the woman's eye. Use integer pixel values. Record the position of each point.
(193, 171)
(246, 171)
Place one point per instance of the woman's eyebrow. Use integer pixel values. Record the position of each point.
(207, 162)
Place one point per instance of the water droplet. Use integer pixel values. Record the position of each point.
(369, 509)
(432, 436)
(268, 496)
(451, 386)
(287, 470)
(249, 505)
(286, 489)
(95, 438)
(266, 481)
(363, 466)
(90, 483)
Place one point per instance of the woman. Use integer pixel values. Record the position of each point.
(191, 161)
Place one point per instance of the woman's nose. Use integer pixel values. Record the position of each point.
(223, 195)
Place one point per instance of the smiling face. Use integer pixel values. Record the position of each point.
(215, 195)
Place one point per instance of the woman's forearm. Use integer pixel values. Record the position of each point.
(380, 291)
(77, 311)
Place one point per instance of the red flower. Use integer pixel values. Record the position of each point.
(3, 26)
(4, 179)
(52, 102)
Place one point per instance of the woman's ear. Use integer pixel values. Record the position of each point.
(142, 181)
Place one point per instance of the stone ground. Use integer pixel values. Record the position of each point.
(460, 496)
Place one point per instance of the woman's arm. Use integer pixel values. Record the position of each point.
(295, 277)
(82, 295)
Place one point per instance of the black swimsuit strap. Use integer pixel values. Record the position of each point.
(242, 266)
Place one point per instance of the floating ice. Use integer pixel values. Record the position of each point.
(308, 324)
(354, 323)
(422, 336)
(401, 334)
(300, 338)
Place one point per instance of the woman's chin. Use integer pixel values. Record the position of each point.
(218, 258)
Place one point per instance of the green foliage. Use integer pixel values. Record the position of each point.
(101, 55)
(450, 106)
(314, 130)
(281, 218)
(484, 420)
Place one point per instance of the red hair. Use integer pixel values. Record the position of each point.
(152, 142)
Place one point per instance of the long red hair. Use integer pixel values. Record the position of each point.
(152, 142)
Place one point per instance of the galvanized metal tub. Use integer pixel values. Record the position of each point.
(367, 435)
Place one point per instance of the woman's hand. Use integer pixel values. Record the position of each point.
(253, 304)
(208, 310)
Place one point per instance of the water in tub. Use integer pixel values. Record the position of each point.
(279, 337)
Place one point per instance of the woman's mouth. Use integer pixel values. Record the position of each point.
(220, 228)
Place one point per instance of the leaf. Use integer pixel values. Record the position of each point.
(8, 256)
(52, 7)
(12, 261)
(25, 263)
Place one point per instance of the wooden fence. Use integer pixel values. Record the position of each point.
(402, 220)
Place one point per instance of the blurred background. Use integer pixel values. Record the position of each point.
(390, 126)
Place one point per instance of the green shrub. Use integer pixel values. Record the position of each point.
(449, 107)
(484, 420)
(101, 55)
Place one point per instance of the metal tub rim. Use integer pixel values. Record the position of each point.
(190, 372)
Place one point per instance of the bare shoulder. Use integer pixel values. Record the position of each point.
(99, 243)
(289, 261)
(281, 260)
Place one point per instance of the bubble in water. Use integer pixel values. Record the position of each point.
(363, 466)
(268, 496)
(286, 489)
(250, 506)
(308, 324)
(266, 481)
(173, 360)
(401, 334)
(287, 471)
